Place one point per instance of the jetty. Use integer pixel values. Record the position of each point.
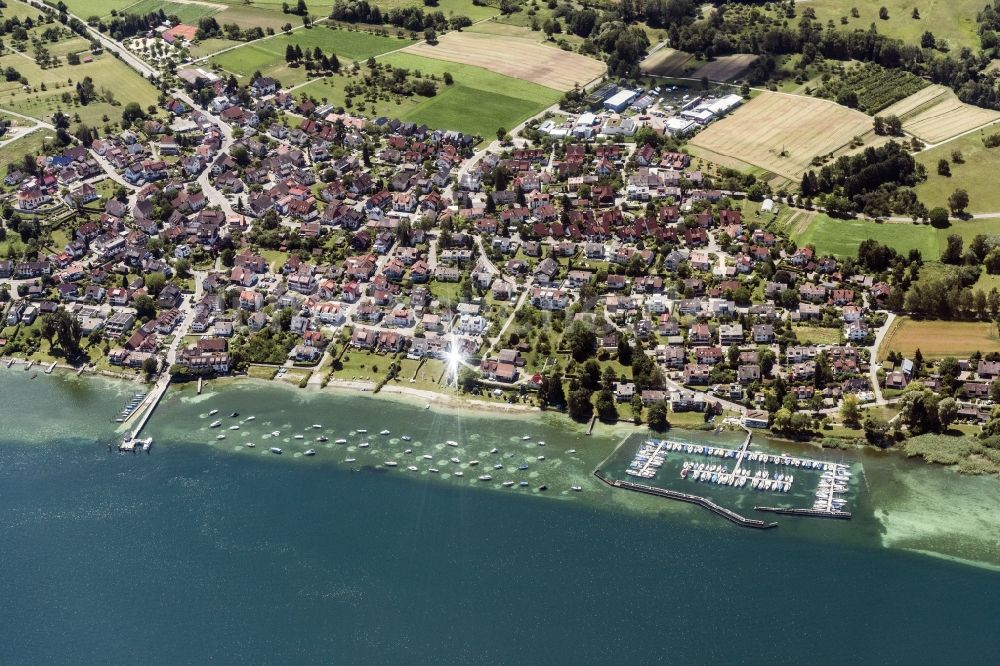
(52, 366)
(813, 513)
(146, 409)
(728, 514)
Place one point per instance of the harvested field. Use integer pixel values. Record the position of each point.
(783, 133)
(522, 59)
(935, 114)
(917, 102)
(937, 339)
(669, 62)
(725, 68)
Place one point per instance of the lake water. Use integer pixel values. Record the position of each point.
(207, 550)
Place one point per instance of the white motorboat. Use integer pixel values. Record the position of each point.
(275, 433)
(525, 438)
(412, 468)
(341, 441)
(498, 466)
(250, 418)
(451, 442)
(427, 457)
(571, 451)
(408, 451)
(350, 459)
(310, 452)
(275, 449)
(391, 463)
(384, 432)
(406, 438)
(541, 458)
(473, 463)
(485, 477)
(576, 489)
(213, 412)
(541, 443)
(361, 431)
(363, 445)
(221, 437)
(322, 438)
(459, 473)
(300, 437)
(234, 427)
(215, 424)
(433, 470)
(507, 484)
(494, 450)
(317, 426)
(456, 461)
(249, 445)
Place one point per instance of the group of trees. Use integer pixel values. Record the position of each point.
(315, 59)
(870, 181)
(414, 19)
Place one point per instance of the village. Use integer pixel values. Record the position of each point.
(246, 229)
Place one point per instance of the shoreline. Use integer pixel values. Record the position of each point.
(417, 398)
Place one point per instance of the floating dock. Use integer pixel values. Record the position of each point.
(728, 514)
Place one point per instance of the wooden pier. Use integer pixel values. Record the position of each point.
(728, 514)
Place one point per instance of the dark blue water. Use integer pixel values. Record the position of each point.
(193, 555)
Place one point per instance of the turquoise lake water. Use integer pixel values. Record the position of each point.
(206, 550)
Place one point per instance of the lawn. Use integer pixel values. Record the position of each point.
(30, 143)
(974, 174)
(108, 73)
(816, 335)
(954, 21)
(842, 237)
(100, 8)
(448, 7)
(363, 366)
(268, 55)
(937, 339)
(187, 12)
(426, 378)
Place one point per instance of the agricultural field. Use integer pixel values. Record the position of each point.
(954, 21)
(669, 62)
(725, 68)
(976, 173)
(268, 55)
(935, 114)
(781, 133)
(937, 339)
(522, 59)
(473, 88)
(842, 237)
(876, 87)
(474, 102)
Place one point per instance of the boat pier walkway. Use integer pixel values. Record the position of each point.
(145, 410)
(814, 513)
(728, 514)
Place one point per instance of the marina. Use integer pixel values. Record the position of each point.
(743, 469)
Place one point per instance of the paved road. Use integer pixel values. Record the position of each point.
(126, 56)
(872, 363)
